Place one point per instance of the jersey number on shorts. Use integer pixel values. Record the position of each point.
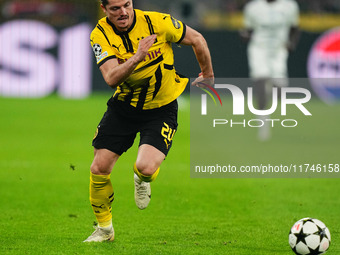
(168, 133)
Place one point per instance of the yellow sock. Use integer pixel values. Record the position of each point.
(101, 198)
(145, 178)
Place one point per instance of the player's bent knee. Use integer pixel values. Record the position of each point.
(146, 174)
(99, 169)
(146, 169)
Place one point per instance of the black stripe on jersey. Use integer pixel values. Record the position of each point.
(168, 67)
(127, 42)
(142, 96)
(154, 62)
(103, 31)
(148, 20)
(108, 58)
(183, 34)
(158, 83)
(129, 96)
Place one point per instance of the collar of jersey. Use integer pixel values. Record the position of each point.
(124, 32)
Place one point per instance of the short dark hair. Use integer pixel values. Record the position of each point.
(104, 2)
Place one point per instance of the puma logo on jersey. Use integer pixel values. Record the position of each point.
(116, 46)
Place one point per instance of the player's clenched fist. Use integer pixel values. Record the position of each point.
(203, 82)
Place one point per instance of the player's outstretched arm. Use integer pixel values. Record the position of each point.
(200, 47)
(114, 74)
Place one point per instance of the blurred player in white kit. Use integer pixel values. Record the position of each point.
(271, 28)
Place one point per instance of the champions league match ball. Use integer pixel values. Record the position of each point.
(309, 236)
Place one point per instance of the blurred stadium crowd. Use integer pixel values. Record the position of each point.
(317, 15)
(315, 6)
(197, 13)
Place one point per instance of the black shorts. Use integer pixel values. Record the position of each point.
(121, 123)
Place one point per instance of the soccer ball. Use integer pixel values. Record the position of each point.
(309, 236)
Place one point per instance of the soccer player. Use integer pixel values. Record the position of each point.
(271, 27)
(133, 52)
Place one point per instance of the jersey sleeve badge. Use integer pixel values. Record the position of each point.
(176, 23)
(97, 49)
(98, 52)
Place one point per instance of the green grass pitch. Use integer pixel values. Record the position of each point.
(45, 155)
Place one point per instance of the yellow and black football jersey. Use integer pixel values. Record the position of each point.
(154, 82)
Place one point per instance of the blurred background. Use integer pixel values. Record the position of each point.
(45, 44)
